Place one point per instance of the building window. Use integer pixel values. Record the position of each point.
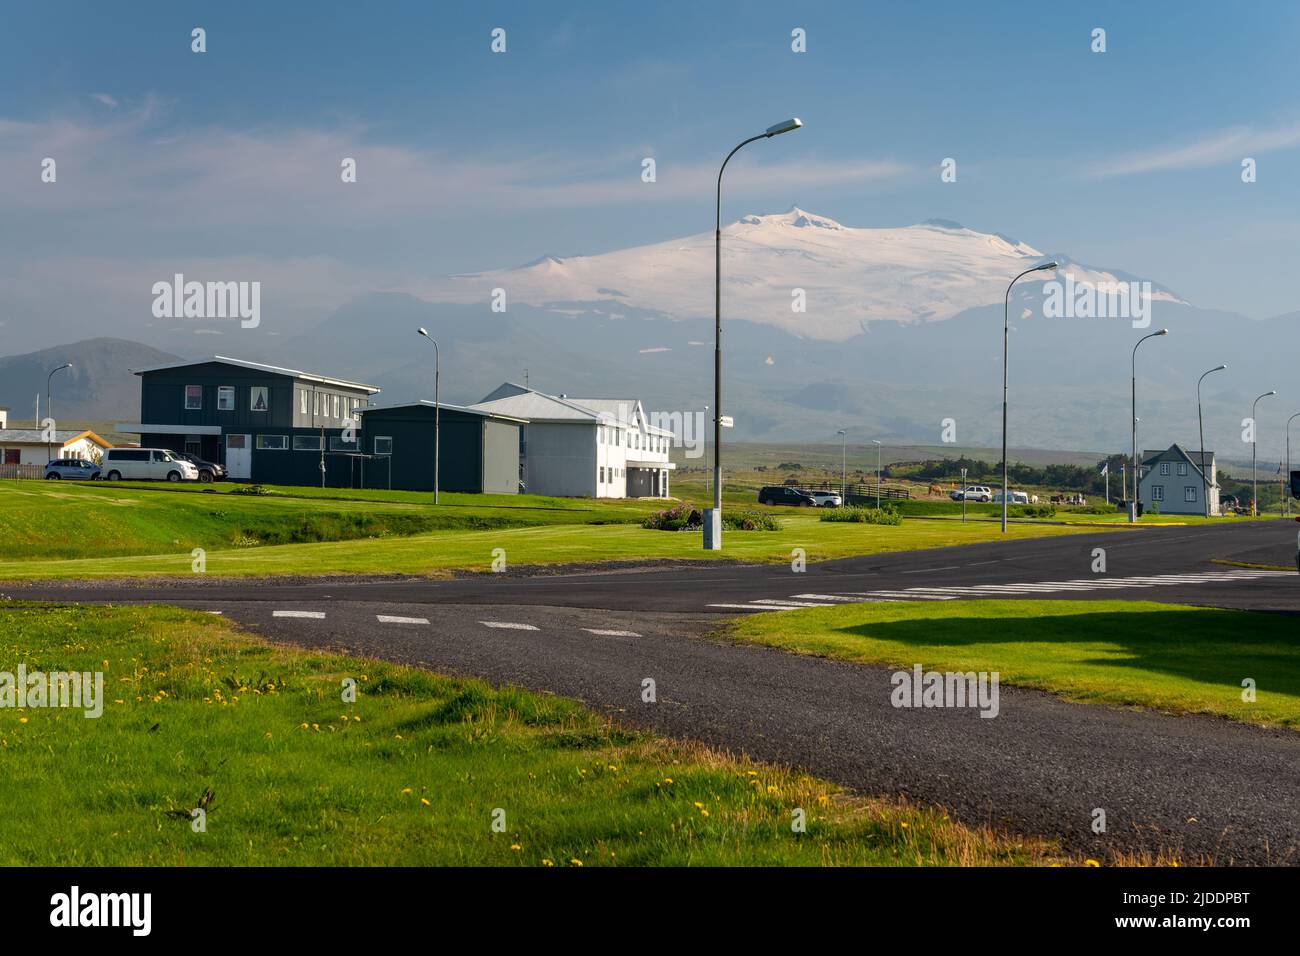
(302, 401)
(306, 442)
(383, 445)
(336, 408)
(315, 402)
(1157, 492)
(338, 444)
(225, 398)
(257, 399)
(1182, 469)
(1164, 469)
(272, 442)
(193, 397)
(602, 474)
(1189, 493)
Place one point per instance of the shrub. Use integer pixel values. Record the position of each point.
(680, 517)
(252, 490)
(1033, 511)
(862, 515)
(750, 521)
(686, 517)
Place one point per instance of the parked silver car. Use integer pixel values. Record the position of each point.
(78, 469)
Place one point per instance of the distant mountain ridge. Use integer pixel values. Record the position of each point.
(99, 386)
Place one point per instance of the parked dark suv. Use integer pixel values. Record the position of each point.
(778, 495)
(208, 471)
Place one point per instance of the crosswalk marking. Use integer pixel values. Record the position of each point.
(955, 592)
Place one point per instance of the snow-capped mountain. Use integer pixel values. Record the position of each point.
(849, 276)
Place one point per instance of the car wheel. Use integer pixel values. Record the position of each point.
(52, 476)
(810, 504)
(764, 501)
(205, 476)
(173, 476)
(114, 476)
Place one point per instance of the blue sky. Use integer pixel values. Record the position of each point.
(469, 160)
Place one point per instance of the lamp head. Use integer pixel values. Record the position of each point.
(1046, 266)
(1163, 332)
(784, 126)
(423, 331)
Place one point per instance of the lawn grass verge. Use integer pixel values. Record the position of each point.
(1173, 658)
(411, 773)
(443, 552)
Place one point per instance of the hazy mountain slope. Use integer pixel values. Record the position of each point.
(99, 386)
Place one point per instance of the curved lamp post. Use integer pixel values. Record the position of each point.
(1286, 494)
(49, 411)
(1006, 332)
(1254, 473)
(713, 523)
(876, 442)
(437, 411)
(843, 466)
(1132, 505)
(1200, 424)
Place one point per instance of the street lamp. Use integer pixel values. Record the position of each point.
(876, 442)
(437, 411)
(843, 467)
(1286, 495)
(1006, 334)
(713, 522)
(49, 410)
(1254, 441)
(1132, 505)
(1200, 424)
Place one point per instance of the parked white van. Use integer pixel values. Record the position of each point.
(134, 464)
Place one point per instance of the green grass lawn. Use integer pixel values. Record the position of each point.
(441, 552)
(43, 520)
(409, 774)
(1132, 653)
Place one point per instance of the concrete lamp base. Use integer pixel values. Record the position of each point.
(712, 529)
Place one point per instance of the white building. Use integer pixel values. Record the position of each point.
(27, 446)
(1172, 482)
(585, 447)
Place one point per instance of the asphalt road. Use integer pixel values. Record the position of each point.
(1208, 788)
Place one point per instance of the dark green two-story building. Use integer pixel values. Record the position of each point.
(264, 423)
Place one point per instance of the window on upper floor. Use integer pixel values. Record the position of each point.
(225, 398)
(1164, 469)
(193, 397)
(337, 413)
(302, 401)
(1182, 469)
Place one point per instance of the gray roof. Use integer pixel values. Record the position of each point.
(263, 367)
(1177, 451)
(34, 436)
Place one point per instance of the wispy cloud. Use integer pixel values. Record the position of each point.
(1222, 146)
(108, 100)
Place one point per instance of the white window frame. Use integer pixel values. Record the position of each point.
(1164, 469)
(337, 410)
(1182, 469)
(387, 438)
(260, 443)
(226, 398)
(315, 402)
(1157, 492)
(1189, 494)
(302, 401)
(253, 391)
(188, 406)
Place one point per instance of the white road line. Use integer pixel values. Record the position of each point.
(826, 597)
(785, 603)
(750, 607)
(604, 633)
(511, 625)
(394, 619)
(314, 615)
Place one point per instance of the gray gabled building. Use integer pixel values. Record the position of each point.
(1174, 481)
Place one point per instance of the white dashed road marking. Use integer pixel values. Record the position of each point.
(315, 615)
(393, 619)
(604, 633)
(510, 625)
